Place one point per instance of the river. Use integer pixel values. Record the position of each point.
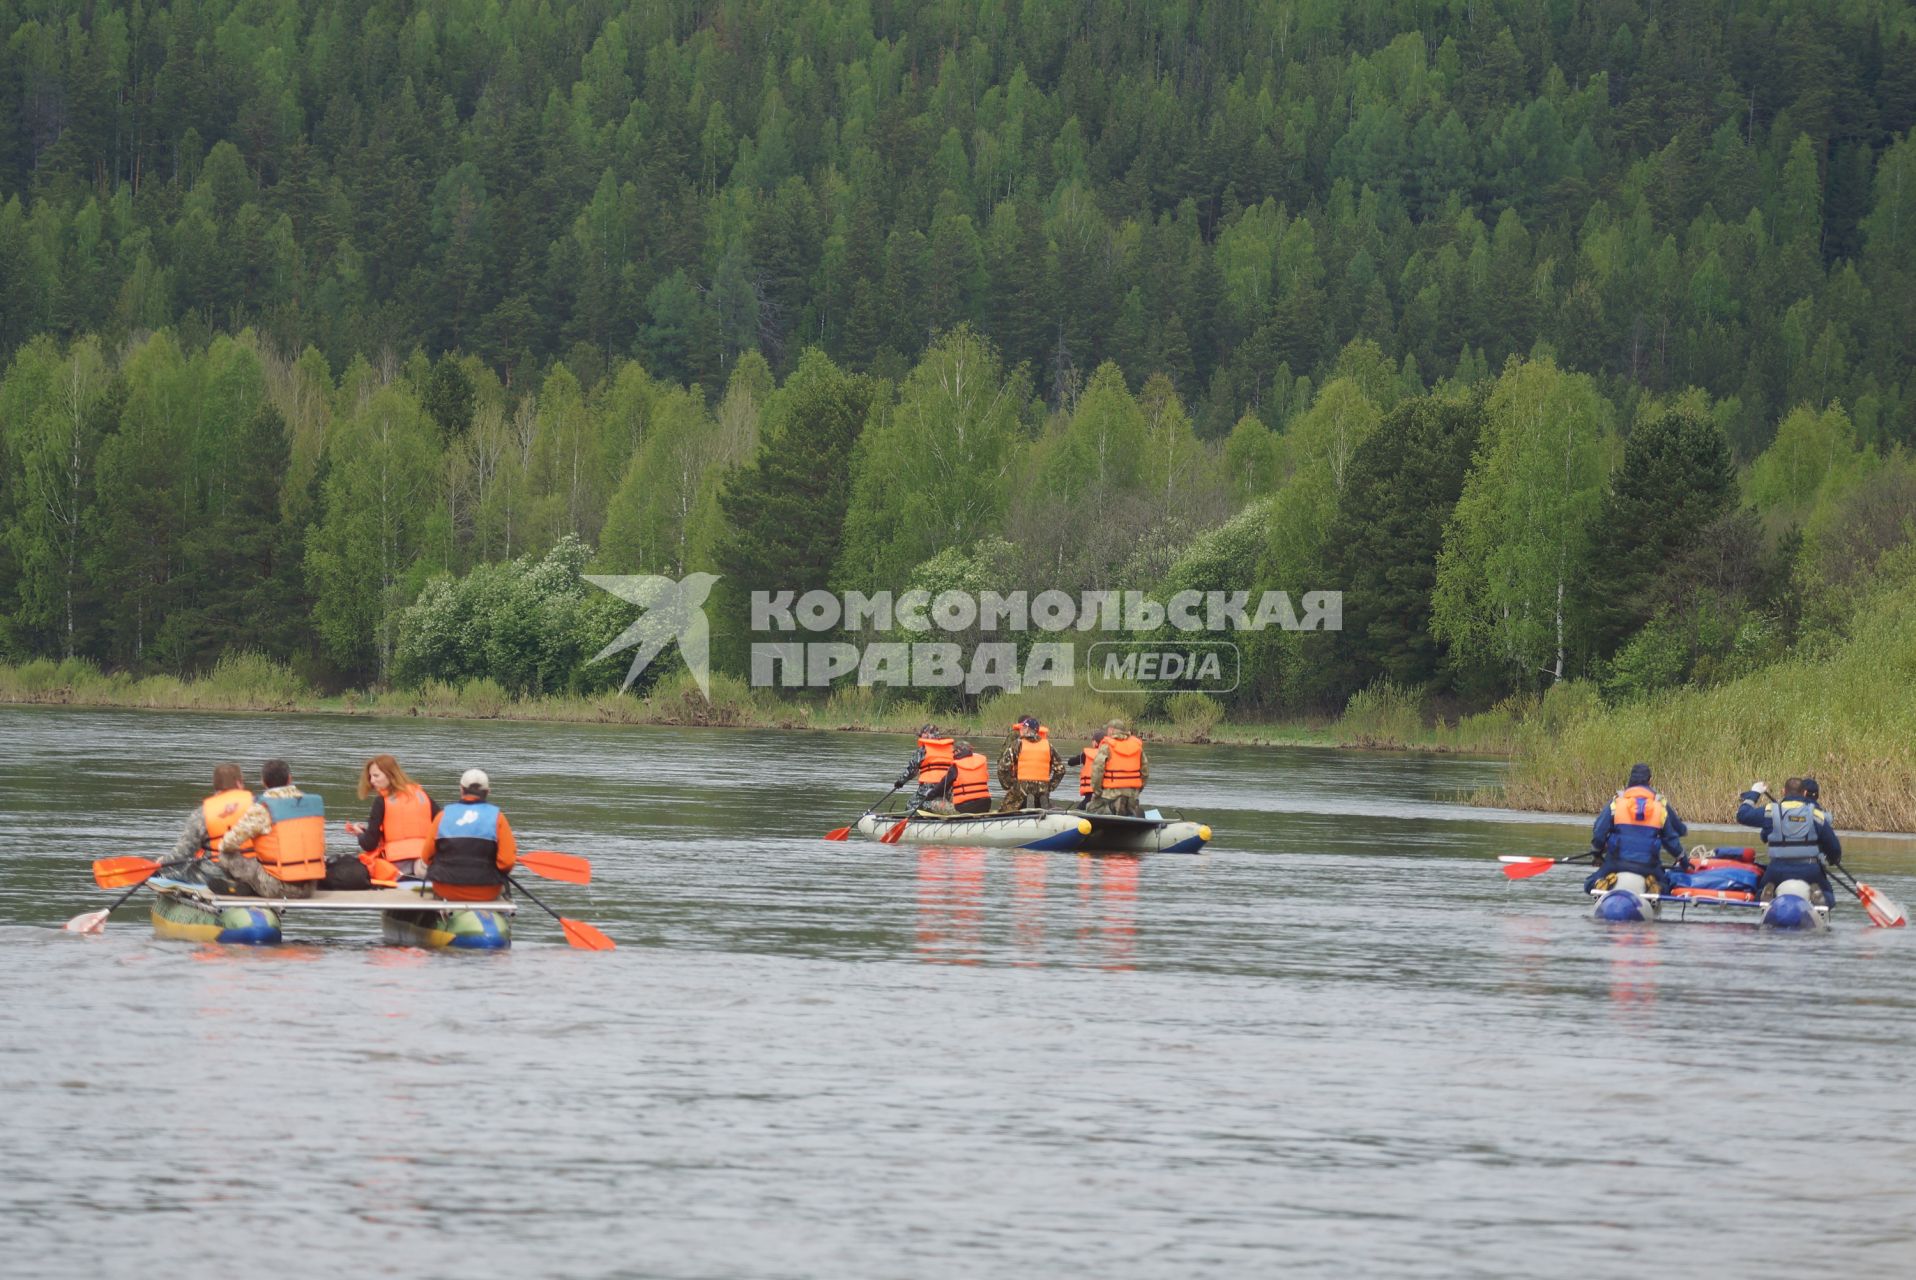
(1338, 1043)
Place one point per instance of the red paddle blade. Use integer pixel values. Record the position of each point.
(557, 866)
(891, 837)
(118, 873)
(584, 937)
(91, 922)
(1524, 870)
(842, 833)
(1883, 910)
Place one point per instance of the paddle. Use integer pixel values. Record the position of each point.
(844, 833)
(891, 837)
(111, 873)
(554, 865)
(1522, 868)
(1882, 910)
(577, 932)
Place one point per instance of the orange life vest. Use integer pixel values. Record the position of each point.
(406, 830)
(293, 849)
(1639, 807)
(1124, 767)
(973, 780)
(1034, 761)
(1044, 731)
(1084, 770)
(220, 811)
(936, 762)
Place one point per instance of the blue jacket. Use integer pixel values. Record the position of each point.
(1754, 811)
(1631, 843)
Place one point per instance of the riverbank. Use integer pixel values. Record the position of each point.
(250, 683)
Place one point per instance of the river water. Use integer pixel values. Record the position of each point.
(1338, 1043)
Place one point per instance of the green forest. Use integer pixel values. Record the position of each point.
(1574, 342)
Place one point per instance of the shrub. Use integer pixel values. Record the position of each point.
(1386, 714)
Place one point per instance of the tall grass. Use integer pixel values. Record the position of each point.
(1849, 718)
(1386, 714)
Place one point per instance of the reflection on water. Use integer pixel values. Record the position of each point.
(1339, 1043)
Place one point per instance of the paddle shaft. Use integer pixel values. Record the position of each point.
(517, 884)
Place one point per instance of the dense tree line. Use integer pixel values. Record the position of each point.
(1568, 340)
(1716, 194)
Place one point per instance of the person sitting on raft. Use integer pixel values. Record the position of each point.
(1119, 772)
(398, 831)
(215, 816)
(1083, 762)
(931, 762)
(1029, 768)
(1799, 836)
(966, 787)
(473, 846)
(1633, 831)
(278, 847)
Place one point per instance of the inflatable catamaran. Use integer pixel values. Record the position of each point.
(1048, 830)
(408, 916)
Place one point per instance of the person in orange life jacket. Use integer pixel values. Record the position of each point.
(1119, 772)
(277, 849)
(1800, 837)
(1029, 768)
(929, 763)
(215, 816)
(1633, 832)
(967, 787)
(1082, 762)
(474, 847)
(398, 831)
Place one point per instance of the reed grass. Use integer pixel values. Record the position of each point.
(1849, 718)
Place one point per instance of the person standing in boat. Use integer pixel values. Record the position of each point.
(473, 846)
(277, 849)
(1029, 768)
(215, 816)
(966, 788)
(1119, 772)
(1800, 837)
(1633, 832)
(398, 831)
(931, 762)
(1083, 762)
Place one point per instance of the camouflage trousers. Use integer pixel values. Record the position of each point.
(1119, 800)
(1026, 795)
(249, 874)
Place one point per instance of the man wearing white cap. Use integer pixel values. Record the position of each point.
(473, 847)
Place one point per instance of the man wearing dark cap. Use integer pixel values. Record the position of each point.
(1801, 840)
(1633, 831)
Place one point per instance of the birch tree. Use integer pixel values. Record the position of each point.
(1519, 534)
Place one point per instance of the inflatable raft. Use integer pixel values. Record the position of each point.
(1630, 903)
(1050, 830)
(408, 916)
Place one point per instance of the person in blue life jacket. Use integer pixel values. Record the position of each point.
(1801, 841)
(1633, 832)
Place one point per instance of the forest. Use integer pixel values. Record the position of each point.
(1572, 341)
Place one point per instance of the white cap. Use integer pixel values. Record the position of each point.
(475, 780)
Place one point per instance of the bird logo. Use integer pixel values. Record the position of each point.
(673, 611)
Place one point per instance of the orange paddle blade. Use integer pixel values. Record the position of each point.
(891, 837)
(584, 937)
(1524, 870)
(842, 833)
(557, 866)
(118, 873)
(1883, 910)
